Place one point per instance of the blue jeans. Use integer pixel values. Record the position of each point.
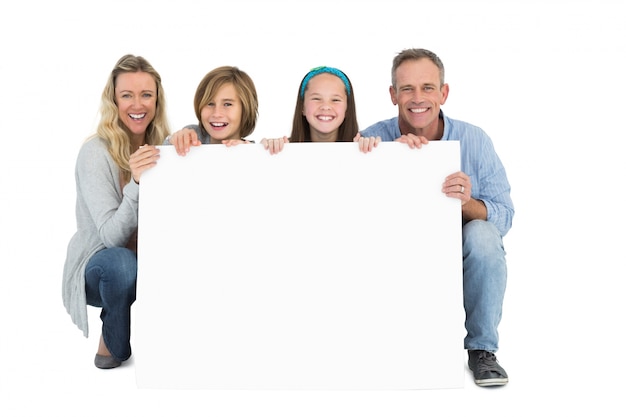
(110, 283)
(484, 282)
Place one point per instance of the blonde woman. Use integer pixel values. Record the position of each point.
(101, 265)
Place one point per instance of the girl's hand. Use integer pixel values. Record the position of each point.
(366, 144)
(274, 145)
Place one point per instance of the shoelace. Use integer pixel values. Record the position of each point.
(487, 362)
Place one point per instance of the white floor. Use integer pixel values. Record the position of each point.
(48, 365)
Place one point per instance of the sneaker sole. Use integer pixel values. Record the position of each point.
(492, 382)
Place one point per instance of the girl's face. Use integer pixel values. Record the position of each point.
(221, 117)
(136, 98)
(325, 105)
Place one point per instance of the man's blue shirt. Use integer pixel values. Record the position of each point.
(478, 160)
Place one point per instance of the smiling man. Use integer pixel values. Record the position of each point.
(419, 90)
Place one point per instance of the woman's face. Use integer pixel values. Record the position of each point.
(136, 98)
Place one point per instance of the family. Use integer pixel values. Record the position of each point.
(101, 265)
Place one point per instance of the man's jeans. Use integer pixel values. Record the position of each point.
(110, 282)
(484, 282)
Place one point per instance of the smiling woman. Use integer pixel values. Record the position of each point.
(101, 264)
(136, 98)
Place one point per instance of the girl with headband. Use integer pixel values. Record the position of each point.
(325, 112)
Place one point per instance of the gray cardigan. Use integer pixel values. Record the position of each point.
(106, 216)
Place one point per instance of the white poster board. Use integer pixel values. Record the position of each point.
(317, 268)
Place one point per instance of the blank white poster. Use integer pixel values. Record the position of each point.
(317, 268)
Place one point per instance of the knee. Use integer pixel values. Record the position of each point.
(124, 265)
(483, 238)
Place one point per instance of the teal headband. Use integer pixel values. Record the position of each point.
(320, 70)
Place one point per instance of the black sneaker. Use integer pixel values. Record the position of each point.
(487, 371)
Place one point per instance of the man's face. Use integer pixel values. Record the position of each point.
(419, 96)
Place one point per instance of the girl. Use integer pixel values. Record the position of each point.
(101, 265)
(325, 112)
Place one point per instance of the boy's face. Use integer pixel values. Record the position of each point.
(221, 117)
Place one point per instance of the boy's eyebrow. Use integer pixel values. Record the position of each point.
(214, 99)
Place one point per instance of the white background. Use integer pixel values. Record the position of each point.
(545, 79)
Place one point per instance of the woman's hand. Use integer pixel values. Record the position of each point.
(142, 159)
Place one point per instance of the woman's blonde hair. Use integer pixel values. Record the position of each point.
(112, 130)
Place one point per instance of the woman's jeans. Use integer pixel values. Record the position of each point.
(484, 282)
(110, 282)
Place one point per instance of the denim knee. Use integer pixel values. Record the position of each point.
(482, 239)
(116, 269)
(124, 266)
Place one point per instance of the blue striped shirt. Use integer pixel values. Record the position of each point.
(478, 160)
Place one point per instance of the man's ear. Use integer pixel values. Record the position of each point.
(445, 90)
(392, 93)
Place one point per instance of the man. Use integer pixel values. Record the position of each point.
(419, 91)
